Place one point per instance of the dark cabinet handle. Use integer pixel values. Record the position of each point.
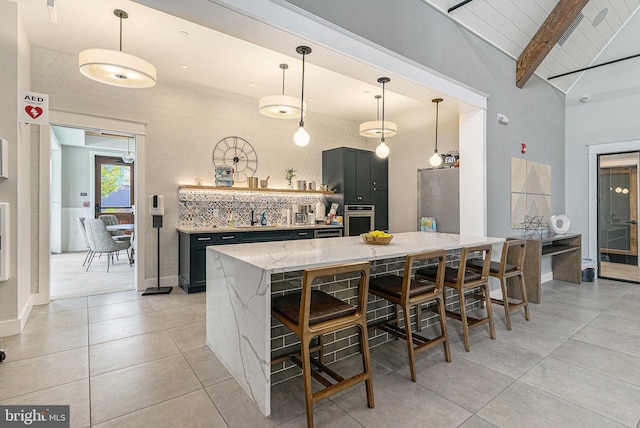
(229, 237)
(303, 233)
(204, 239)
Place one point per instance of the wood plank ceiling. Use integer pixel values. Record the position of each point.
(511, 24)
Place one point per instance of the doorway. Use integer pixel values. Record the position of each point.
(618, 216)
(93, 174)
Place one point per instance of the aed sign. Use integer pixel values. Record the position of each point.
(33, 108)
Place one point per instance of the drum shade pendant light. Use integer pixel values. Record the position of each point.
(281, 106)
(373, 128)
(382, 151)
(117, 68)
(436, 159)
(129, 157)
(301, 137)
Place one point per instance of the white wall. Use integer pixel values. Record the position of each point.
(183, 126)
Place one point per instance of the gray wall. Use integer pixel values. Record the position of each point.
(420, 33)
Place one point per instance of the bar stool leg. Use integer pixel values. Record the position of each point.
(407, 329)
(523, 293)
(443, 329)
(419, 317)
(366, 362)
(487, 298)
(505, 302)
(463, 318)
(306, 373)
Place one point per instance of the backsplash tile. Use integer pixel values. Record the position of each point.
(197, 207)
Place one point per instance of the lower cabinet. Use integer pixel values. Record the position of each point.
(192, 250)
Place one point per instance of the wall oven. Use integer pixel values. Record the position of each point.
(358, 219)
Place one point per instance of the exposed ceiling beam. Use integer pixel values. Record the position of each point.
(545, 39)
(462, 3)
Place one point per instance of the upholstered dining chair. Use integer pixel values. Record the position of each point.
(100, 241)
(111, 220)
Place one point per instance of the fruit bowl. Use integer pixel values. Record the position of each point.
(370, 239)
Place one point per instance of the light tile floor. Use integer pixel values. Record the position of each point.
(123, 360)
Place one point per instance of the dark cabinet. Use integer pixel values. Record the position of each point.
(192, 250)
(358, 177)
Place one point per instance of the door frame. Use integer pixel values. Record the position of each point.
(632, 170)
(594, 175)
(77, 120)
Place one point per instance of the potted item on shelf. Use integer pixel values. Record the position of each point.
(289, 174)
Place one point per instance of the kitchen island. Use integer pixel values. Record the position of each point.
(239, 288)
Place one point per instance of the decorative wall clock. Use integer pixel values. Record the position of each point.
(237, 153)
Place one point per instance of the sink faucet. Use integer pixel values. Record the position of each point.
(253, 222)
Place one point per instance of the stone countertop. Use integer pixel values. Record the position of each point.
(240, 229)
(284, 256)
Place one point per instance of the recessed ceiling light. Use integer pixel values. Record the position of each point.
(183, 66)
(311, 99)
(253, 84)
(184, 33)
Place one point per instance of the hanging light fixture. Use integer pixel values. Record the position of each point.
(281, 106)
(117, 68)
(301, 137)
(618, 189)
(625, 189)
(436, 159)
(382, 151)
(129, 157)
(373, 128)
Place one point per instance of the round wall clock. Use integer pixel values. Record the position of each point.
(237, 153)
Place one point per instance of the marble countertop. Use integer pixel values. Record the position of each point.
(284, 256)
(239, 229)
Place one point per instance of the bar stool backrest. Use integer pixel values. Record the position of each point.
(441, 255)
(466, 251)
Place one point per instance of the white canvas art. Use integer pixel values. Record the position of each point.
(530, 191)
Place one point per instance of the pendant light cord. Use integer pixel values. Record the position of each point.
(120, 32)
(382, 139)
(304, 53)
(437, 110)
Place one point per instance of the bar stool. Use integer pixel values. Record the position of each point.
(407, 293)
(311, 314)
(464, 280)
(512, 251)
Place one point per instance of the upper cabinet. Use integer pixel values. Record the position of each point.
(357, 177)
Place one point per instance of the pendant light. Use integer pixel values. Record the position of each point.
(373, 129)
(436, 159)
(281, 106)
(625, 189)
(382, 151)
(301, 137)
(129, 157)
(117, 68)
(618, 188)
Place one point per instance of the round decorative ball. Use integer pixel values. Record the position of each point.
(559, 224)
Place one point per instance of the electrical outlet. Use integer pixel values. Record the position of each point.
(216, 212)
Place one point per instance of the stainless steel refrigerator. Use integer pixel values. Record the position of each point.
(439, 197)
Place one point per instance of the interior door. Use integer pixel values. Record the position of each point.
(114, 191)
(618, 215)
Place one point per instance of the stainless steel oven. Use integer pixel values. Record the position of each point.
(358, 219)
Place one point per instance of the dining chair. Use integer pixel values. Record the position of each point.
(83, 235)
(111, 220)
(100, 242)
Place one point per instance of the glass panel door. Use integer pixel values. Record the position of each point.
(618, 217)
(114, 188)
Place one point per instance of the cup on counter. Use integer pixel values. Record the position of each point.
(302, 184)
(312, 185)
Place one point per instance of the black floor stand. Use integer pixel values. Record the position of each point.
(157, 223)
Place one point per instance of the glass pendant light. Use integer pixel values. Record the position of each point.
(618, 188)
(436, 159)
(129, 157)
(382, 151)
(301, 137)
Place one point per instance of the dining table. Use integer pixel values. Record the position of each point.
(126, 227)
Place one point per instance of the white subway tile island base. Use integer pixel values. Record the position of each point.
(239, 279)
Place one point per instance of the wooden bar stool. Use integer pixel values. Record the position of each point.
(407, 293)
(311, 314)
(512, 252)
(463, 280)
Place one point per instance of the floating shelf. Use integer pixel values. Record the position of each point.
(247, 189)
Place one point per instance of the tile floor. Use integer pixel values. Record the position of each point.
(123, 360)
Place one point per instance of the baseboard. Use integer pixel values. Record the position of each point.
(165, 281)
(546, 277)
(15, 326)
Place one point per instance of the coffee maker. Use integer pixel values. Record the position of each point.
(301, 213)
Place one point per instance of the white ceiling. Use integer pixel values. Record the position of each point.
(511, 24)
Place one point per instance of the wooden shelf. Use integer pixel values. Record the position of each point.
(246, 189)
(552, 250)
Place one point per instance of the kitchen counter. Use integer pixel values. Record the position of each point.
(240, 229)
(239, 286)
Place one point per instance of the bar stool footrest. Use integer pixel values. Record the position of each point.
(471, 322)
(512, 306)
